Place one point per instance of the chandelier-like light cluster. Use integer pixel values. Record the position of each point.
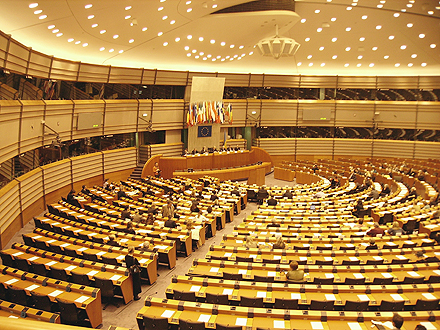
(277, 46)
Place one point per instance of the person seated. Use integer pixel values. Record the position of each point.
(214, 196)
(150, 219)
(288, 194)
(84, 190)
(358, 208)
(121, 192)
(294, 274)
(319, 194)
(194, 206)
(395, 230)
(412, 193)
(416, 207)
(374, 194)
(373, 245)
(272, 201)
(185, 152)
(422, 258)
(153, 209)
(72, 200)
(235, 192)
(376, 230)
(112, 240)
(273, 224)
(126, 213)
(129, 229)
(170, 223)
(386, 190)
(250, 243)
(204, 150)
(360, 223)
(137, 216)
(279, 244)
(106, 184)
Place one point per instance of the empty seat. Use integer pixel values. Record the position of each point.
(286, 303)
(59, 274)
(231, 276)
(413, 280)
(70, 314)
(155, 323)
(40, 269)
(354, 281)
(186, 296)
(19, 296)
(43, 302)
(323, 262)
(82, 279)
(218, 299)
(324, 281)
(28, 241)
(90, 256)
(244, 259)
(356, 305)
(188, 325)
(258, 278)
(251, 302)
(391, 305)
(228, 327)
(322, 305)
(426, 305)
(23, 265)
(7, 260)
(107, 291)
(382, 281)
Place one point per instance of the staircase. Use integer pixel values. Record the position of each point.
(137, 172)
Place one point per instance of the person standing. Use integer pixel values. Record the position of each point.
(133, 266)
(156, 170)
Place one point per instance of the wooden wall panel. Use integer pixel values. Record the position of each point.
(39, 65)
(357, 82)
(57, 175)
(64, 70)
(235, 79)
(9, 211)
(17, 57)
(176, 78)
(9, 128)
(350, 147)
(86, 166)
(386, 148)
(426, 150)
(305, 105)
(279, 112)
(167, 149)
(428, 115)
(125, 75)
(272, 80)
(354, 113)
(322, 147)
(396, 114)
(87, 106)
(122, 159)
(120, 117)
(168, 114)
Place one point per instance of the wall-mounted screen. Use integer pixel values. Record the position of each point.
(89, 120)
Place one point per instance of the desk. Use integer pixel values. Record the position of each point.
(14, 311)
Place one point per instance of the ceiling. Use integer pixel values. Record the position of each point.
(337, 37)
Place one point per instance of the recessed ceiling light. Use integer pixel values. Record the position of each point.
(194, 51)
(212, 41)
(201, 39)
(321, 48)
(391, 37)
(414, 55)
(42, 17)
(334, 57)
(88, 6)
(371, 65)
(164, 18)
(116, 36)
(209, 56)
(101, 49)
(364, 17)
(348, 29)
(421, 35)
(144, 29)
(102, 31)
(334, 39)
(222, 59)
(349, 8)
(197, 56)
(111, 50)
(423, 64)
(55, 31)
(299, 63)
(131, 41)
(201, 53)
(409, 5)
(70, 40)
(218, 56)
(50, 27)
(362, 39)
(160, 8)
(172, 22)
(430, 12)
(374, 48)
(228, 57)
(128, 8)
(188, 54)
(165, 43)
(159, 33)
(360, 57)
(163, 0)
(410, 25)
(33, 5)
(358, 65)
(231, 46)
(307, 39)
(94, 25)
(397, 65)
(127, 17)
(346, 64)
(85, 44)
(322, 64)
(310, 64)
(396, 14)
(214, 6)
(333, 19)
(378, 27)
(347, 49)
(432, 45)
(410, 64)
(77, 42)
(317, 11)
(121, 51)
(90, 16)
(189, 10)
(186, 48)
(386, 57)
(403, 10)
(204, 58)
(251, 53)
(189, 37)
(303, 20)
(39, 11)
(222, 43)
(188, 2)
(379, 6)
(177, 39)
(403, 47)
(318, 29)
(309, 57)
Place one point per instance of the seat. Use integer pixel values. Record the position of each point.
(23, 265)
(386, 218)
(356, 305)
(219, 258)
(28, 241)
(413, 280)
(19, 297)
(40, 269)
(41, 245)
(90, 256)
(109, 261)
(7, 260)
(382, 281)
(434, 279)
(271, 261)
(43, 302)
(323, 281)
(188, 325)
(69, 313)
(300, 247)
(269, 279)
(59, 274)
(251, 195)
(71, 252)
(391, 305)
(318, 305)
(350, 262)
(286, 303)
(409, 245)
(228, 327)
(324, 262)
(354, 281)
(107, 291)
(374, 262)
(83, 237)
(56, 249)
(217, 299)
(244, 259)
(426, 305)
(231, 276)
(347, 248)
(186, 296)
(251, 302)
(320, 247)
(410, 226)
(3, 292)
(82, 279)
(155, 323)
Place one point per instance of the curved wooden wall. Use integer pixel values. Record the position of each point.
(27, 195)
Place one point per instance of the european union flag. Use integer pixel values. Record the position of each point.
(204, 131)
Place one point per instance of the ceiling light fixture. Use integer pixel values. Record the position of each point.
(33, 5)
(277, 46)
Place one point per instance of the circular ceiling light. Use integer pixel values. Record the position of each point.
(88, 6)
(33, 5)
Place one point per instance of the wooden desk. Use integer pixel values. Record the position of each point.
(14, 311)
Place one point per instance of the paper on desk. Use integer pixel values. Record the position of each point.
(64, 245)
(92, 272)
(396, 297)
(101, 253)
(328, 258)
(55, 293)
(195, 288)
(377, 258)
(413, 274)
(81, 299)
(121, 257)
(429, 296)
(317, 325)
(33, 258)
(387, 275)
(214, 269)
(353, 259)
(271, 274)
(354, 326)
(17, 254)
(242, 271)
(241, 321)
(70, 268)
(204, 318)
(276, 257)
(82, 249)
(227, 291)
(278, 324)
(304, 258)
(143, 261)
(329, 275)
(228, 254)
(115, 277)
(261, 294)
(363, 297)
(51, 241)
(295, 296)
(123, 240)
(330, 297)
(401, 257)
(51, 263)
(32, 287)
(358, 275)
(37, 237)
(239, 241)
(428, 325)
